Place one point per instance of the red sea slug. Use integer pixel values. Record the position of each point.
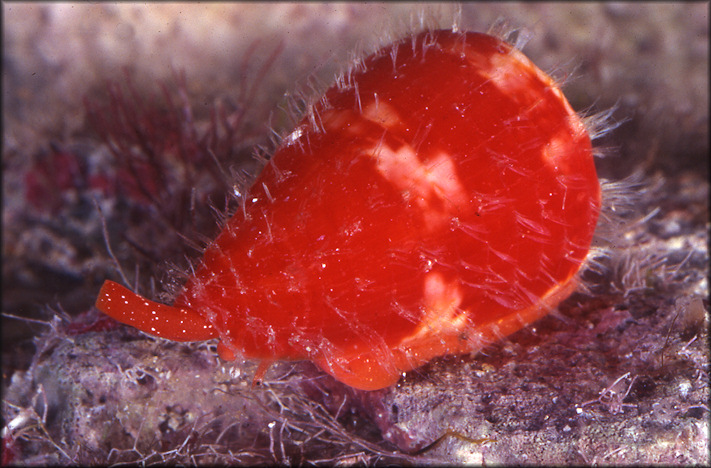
(440, 195)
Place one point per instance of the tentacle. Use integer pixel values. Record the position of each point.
(227, 354)
(173, 323)
(262, 369)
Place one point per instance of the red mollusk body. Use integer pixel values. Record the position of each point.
(441, 195)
